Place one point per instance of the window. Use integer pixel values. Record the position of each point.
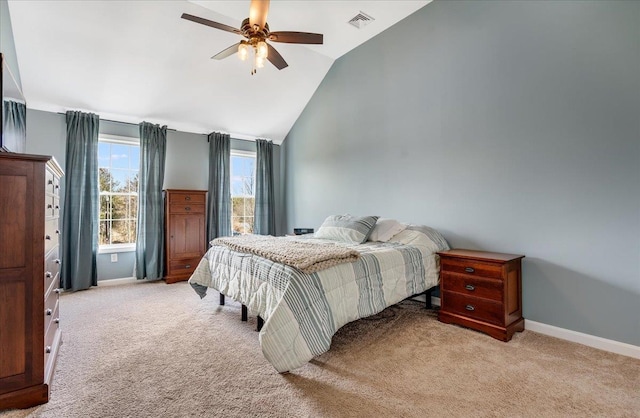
(243, 169)
(118, 163)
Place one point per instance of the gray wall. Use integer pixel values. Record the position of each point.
(186, 167)
(7, 45)
(508, 126)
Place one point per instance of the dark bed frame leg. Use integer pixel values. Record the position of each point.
(244, 313)
(260, 324)
(427, 297)
(221, 299)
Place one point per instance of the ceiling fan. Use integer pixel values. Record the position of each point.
(255, 29)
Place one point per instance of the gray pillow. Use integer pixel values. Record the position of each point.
(347, 228)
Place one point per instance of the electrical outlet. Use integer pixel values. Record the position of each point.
(114, 257)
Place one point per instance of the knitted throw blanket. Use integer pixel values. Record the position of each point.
(307, 257)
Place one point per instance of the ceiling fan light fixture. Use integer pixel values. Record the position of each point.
(262, 50)
(259, 62)
(243, 50)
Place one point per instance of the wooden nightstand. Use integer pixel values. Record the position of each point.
(482, 290)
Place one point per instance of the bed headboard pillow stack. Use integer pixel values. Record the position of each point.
(347, 228)
(385, 229)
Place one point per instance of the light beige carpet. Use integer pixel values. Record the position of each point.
(157, 350)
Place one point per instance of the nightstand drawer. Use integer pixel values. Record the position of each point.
(471, 267)
(472, 307)
(473, 286)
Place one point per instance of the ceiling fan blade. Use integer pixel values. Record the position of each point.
(258, 12)
(296, 37)
(227, 52)
(276, 59)
(210, 23)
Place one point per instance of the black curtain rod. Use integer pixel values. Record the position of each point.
(124, 123)
(168, 129)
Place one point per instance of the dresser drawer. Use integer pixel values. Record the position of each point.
(51, 325)
(51, 235)
(186, 266)
(185, 197)
(471, 267)
(51, 267)
(473, 286)
(472, 307)
(50, 305)
(186, 208)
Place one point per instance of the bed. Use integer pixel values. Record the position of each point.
(302, 311)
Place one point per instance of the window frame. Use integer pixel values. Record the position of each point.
(116, 248)
(243, 153)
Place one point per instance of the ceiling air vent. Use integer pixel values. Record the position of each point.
(361, 20)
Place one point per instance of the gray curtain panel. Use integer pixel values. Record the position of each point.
(265, 217)
(79, 238)
(219, 196)
(150, 231)
(14, 129)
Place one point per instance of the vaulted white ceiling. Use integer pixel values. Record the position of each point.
(138, 60)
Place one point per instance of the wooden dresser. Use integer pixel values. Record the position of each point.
(185, 232)
(482, 290)
(29, 278)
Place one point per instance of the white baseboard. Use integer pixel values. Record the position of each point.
(600, 343)
(585, 339)
(113, 282)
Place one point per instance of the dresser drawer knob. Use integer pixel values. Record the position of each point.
(49, 312)
(58, 231)
(49, 206)
(50, 182)
(57, 186)
(470, 308)
(187, 266)
(469, 269)
(187, 198)
(48, 275)
(47, 349)
(57, 320)
(470, 287)
(57, 261)
(58, 291)
(187, 208)
(47, 237)
(57, 207)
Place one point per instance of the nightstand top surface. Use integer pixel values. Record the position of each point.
(479, 255)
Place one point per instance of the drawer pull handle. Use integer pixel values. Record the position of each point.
(57, 261)
(187, 198)
(187, 266)
(47, 237)
(49, 312)
(50, 182)
(58, 291)
(57, 207)
(470, 287)
(470, 308)
(49, 206)
(187, 208)
(48, 349)
(57, 186)
(48, 275)
(469, 269)
(57, 320)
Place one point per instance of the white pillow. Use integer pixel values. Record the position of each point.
(385, 229)
(346, 228)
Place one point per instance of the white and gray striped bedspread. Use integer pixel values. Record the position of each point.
(302, 311)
